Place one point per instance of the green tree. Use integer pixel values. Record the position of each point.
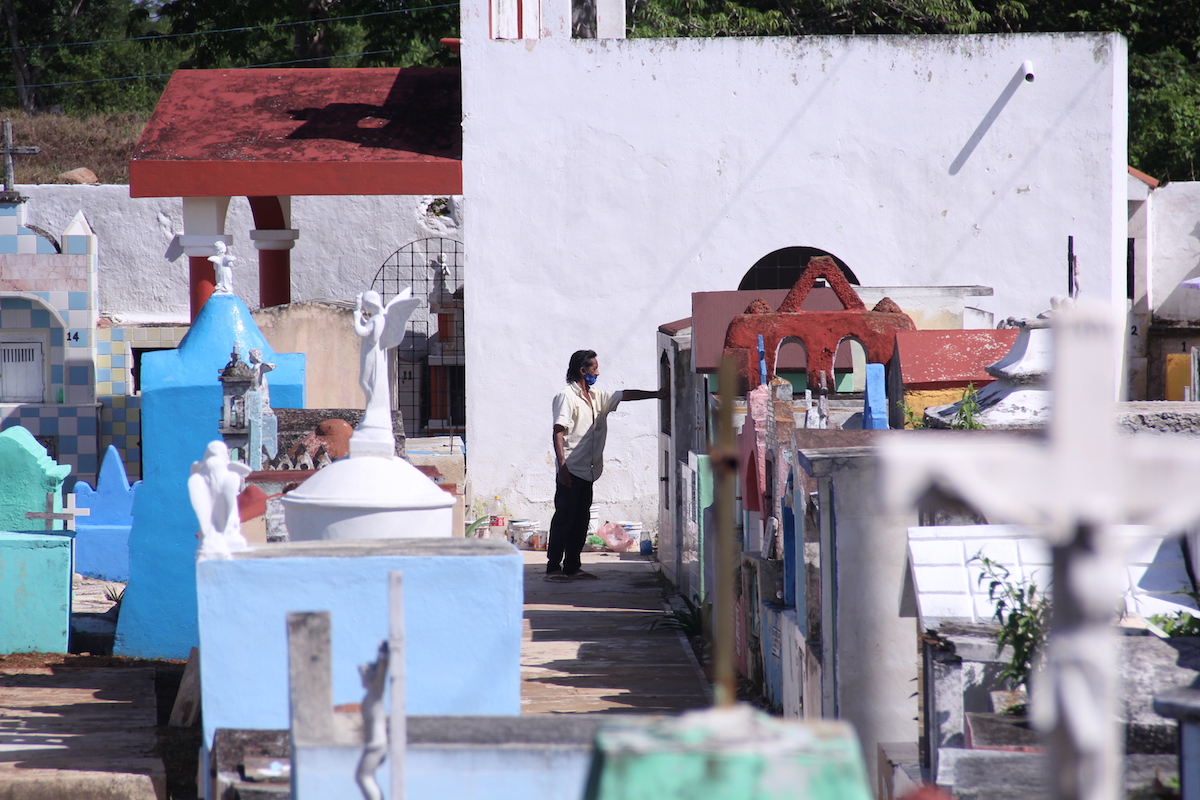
(316, 33)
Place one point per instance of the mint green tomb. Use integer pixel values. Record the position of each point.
(35, 592)
(27, 475)
(736, 753)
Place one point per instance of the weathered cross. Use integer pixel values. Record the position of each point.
(8, 151)
(1071, 488)
(67, 515)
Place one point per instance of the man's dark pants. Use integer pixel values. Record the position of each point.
(568, 526)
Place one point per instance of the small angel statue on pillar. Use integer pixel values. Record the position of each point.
(381, 328)
(223, 263)
(214, 487)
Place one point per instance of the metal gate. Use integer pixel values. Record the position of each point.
(428, 376)
(21, 372)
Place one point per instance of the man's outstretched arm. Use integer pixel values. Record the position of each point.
(641, 394)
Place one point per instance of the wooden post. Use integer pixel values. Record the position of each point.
(723, 458)
(398, 730)
(310, 677)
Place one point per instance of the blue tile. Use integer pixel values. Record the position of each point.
(9, 209)
(68, 411)
(87, 426)
(133, 454)
(56, 371)
(87, 463)
(118, 334)
(118, 361)
(103, 374)
(103, 348)
(44, 295)
(39, 318)
(68, 445)
(77, 301)
(106, 429)
(46, 248)
(77, 338)
(15, 303)
(118, 387)
(118, 415)
(28, 411)
(8, 423)
(56, 337)
(48, 426)
(8, 245)
(78, 376)
(75, 245)
(133, 427)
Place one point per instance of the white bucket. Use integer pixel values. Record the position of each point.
(519, 530)
(594, 519)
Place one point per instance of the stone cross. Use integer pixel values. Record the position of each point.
(68, 514)
(1070, 488)
(8, 151)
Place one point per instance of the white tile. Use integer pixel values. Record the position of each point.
(1002, 551)
(926, 551)
(945, 606)
(941, 579)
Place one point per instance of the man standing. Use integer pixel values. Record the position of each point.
(580, 428)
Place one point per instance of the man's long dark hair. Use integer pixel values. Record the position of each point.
(579, 361)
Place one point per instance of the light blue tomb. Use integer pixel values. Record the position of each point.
(102, 537)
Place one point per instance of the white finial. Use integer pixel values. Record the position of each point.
(223, 262)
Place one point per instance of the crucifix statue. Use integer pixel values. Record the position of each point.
(10, 194)
(1071, 488)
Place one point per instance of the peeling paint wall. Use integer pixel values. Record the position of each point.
(343, 241)
(609, 179)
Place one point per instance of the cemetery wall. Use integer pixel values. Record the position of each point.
(1175, 254)
(343, 241)
(635, 172)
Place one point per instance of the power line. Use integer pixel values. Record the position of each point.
(246, 66)
(234, 30)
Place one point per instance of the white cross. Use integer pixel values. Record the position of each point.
(1070, 488)
(68, 514)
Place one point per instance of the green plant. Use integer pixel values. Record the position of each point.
(968, 409)
(115, 593)
(1181, 623)
(912, 419)
(1023, 612)
(692, 620)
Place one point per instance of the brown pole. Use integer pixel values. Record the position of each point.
(723, 459)
(203, 280)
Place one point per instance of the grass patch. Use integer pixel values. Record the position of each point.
(101, 142)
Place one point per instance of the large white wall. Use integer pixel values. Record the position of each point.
(1175, 247)
(610, 179)
(343, 241)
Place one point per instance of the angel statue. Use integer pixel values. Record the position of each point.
(214, 487)
(381, 328)
(223, 263)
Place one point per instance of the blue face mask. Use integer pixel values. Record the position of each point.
(590, 379)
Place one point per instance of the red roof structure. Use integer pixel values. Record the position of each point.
(284, 132)
(951, 358)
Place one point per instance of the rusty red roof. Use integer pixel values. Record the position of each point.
(953, 358)
(255, 132)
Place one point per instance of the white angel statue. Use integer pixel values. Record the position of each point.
(214, 487)
(381, 328)
(223, 264)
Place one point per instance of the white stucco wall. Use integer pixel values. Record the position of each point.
(343, 241)
(1175, 245)
(609, 179)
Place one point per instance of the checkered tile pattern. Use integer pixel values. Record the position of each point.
(73, 430)
(51, 293)
(121, 427)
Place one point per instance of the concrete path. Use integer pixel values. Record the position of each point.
(588, 648)
(78, 733)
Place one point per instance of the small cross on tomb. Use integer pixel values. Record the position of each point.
(67, 515)
(8, 150)
(1071, 488)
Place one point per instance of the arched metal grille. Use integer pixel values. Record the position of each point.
(428, 381)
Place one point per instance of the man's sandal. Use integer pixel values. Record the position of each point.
(557, 577)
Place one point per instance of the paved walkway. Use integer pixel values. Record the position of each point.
(588, 648)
